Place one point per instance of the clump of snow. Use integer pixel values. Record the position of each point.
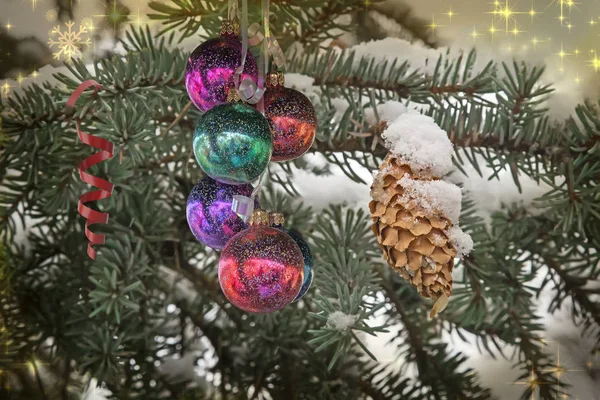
(340, 105)
(340, 321)
(416, 139)
(300, 82)
(95, 392)
(387, 111)
(462, 241)
(388, 49)
(433, 196)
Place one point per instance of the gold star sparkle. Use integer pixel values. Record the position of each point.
(115, 14)
(532, 14)
(433, 25)
(492, 30)
(515, 31)
(5, 90)
(474, 34)
(535, 41)
(589, 364)
(531, 382)
(506, 13)
(138, 20)
(562, 54)
(451, 14)
(20, 79)
(594, 62)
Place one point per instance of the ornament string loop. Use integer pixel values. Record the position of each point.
(249, 91)
(257, 34)
(232, 10)
(105, 187)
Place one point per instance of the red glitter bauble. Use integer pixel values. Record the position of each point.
(261, 269)
(293, 122)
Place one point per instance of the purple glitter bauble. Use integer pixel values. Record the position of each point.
(210, 70)
(261, 269)
(209, 213)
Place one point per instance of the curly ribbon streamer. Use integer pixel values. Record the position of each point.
(243, 206)
(106, 152)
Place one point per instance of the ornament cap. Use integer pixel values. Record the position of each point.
(259, 218)
(276, 218)
(230, 28)
(275, 79)
(233, 96)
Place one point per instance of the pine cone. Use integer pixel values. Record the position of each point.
(414, 240)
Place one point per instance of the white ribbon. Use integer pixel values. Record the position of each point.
(247, 89)
(243, 206)
(252, 35)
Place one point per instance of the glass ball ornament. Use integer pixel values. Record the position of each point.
(276, 220)
(261, 269)
(232, 143)
(291, 117)
(209, 213)
(211, 68)
(308, 262)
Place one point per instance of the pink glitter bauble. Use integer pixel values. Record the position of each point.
(210, 70)
(261, 269)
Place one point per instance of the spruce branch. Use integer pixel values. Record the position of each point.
(574, 286)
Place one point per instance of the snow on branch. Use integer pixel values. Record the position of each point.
(340, 322)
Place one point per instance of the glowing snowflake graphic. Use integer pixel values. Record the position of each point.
(69, 42)
(87, 24)
(51, 15)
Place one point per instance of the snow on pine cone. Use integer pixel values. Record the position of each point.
(412, 237)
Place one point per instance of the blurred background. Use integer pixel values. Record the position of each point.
(38, 36)
(562, 34)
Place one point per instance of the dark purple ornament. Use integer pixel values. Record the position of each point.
(210, 70)
(209, 213)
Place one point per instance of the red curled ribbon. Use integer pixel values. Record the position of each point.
(106, 188)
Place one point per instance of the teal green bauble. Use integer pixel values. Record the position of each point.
(232, 143)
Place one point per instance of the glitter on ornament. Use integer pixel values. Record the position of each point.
(209, 213)
(291, 117)
(261, 269)
(232, 143)
(211, 68)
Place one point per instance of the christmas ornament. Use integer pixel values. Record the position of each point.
(291, 117)
(105, 187)
(261, 269)
(232, 143)
(209, 213)
(414, 240)
(211, 67)
(277, 220)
